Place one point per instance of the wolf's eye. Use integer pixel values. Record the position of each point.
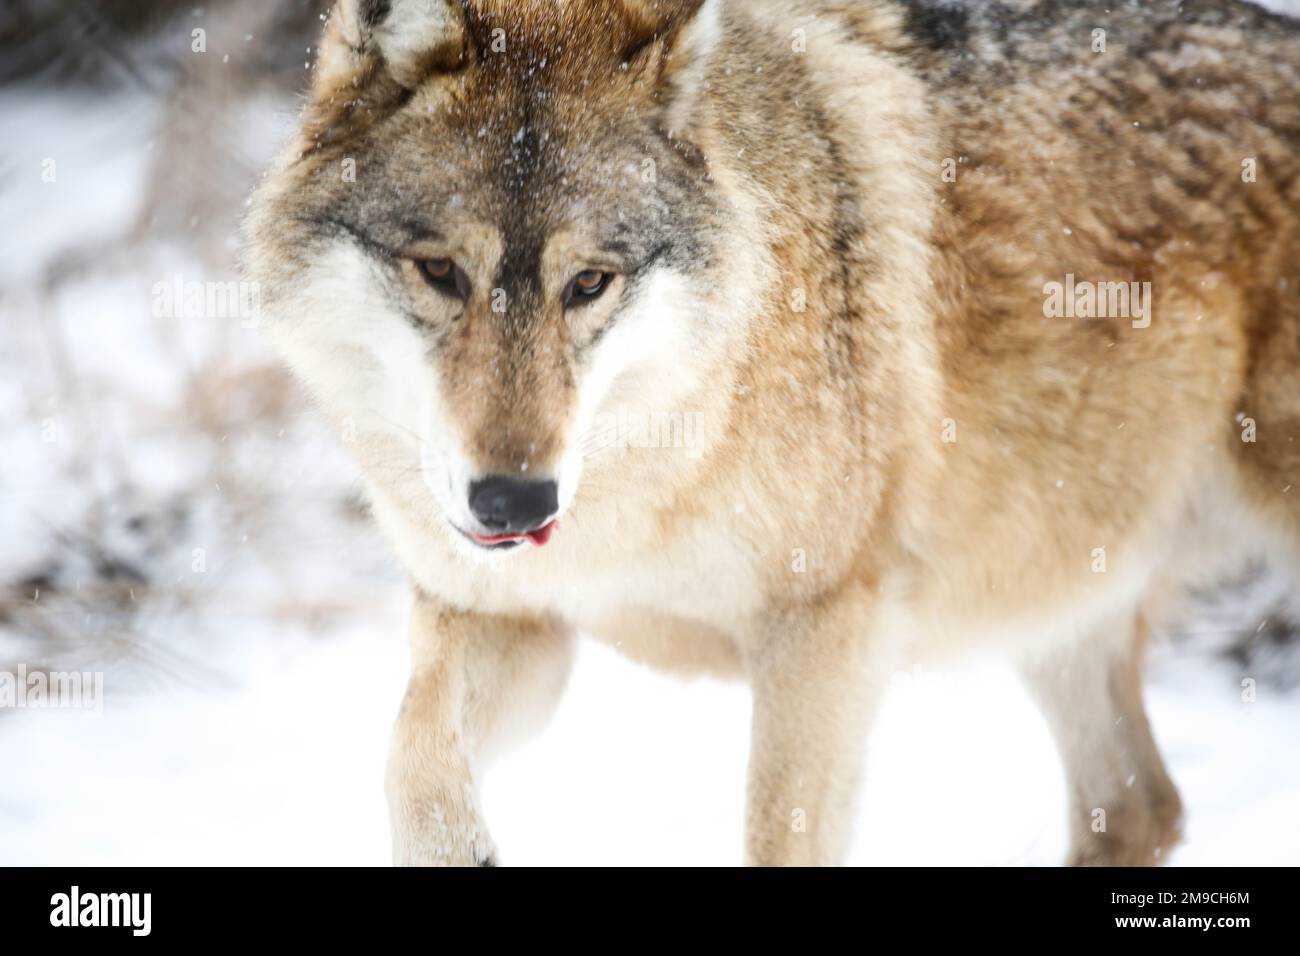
(585, 286)
(445, 276)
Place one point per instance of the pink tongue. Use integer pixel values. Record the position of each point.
(542, 534)
(538, 536)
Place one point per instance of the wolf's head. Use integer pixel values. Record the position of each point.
(501, 217)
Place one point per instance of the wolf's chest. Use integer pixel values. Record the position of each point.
(701, 577)
(703, 582)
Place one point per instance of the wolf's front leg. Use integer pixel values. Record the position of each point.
(476, 680)
(816, 687)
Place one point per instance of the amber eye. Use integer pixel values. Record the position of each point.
(586, 286)
(445, 276)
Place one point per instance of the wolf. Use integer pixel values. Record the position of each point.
(825, 231)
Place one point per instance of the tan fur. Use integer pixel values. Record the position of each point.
(825, 531)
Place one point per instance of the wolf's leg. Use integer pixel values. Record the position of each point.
(814, 694)
(475, 679)
(1124, 810)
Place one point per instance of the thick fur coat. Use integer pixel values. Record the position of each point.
(924, 328)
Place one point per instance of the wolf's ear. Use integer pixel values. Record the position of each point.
(408, 37)
(675, 42)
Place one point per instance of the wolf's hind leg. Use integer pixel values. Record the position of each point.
(1124, 810)
(476, 680)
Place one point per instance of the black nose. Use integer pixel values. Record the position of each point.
(506, 504)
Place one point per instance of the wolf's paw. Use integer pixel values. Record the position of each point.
(442, 848)
(1135, 832)
(437, 824)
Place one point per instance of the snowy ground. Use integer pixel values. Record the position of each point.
(175, 518)
(277, 758)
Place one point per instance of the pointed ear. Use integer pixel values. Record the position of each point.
(405, 38)
(676, 42)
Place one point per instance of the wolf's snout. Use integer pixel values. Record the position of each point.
(513, 505)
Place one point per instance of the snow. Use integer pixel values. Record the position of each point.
(250, 699)
(277, 758)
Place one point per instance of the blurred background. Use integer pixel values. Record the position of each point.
(176, 518)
